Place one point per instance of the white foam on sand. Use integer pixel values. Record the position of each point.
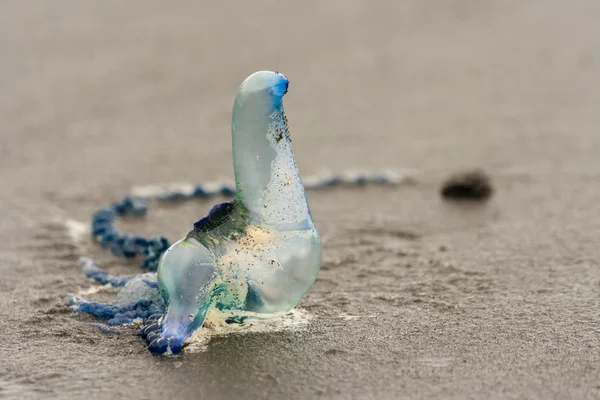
(93, 290)
(215, 326)
(76, 230)
(348, 317)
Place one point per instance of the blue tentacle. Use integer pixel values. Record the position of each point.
(91, 270)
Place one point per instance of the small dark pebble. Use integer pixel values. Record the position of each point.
(468, 185)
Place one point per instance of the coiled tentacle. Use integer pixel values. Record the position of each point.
(92, 270)
(115, 314)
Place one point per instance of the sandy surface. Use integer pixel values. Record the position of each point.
(417, 297)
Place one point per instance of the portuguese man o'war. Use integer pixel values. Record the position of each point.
(260, 252)
(256, 255)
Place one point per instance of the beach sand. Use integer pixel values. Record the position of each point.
(418, 297)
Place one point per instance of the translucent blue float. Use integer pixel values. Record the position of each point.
(260, 252)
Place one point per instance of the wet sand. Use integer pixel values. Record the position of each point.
(418, 297)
